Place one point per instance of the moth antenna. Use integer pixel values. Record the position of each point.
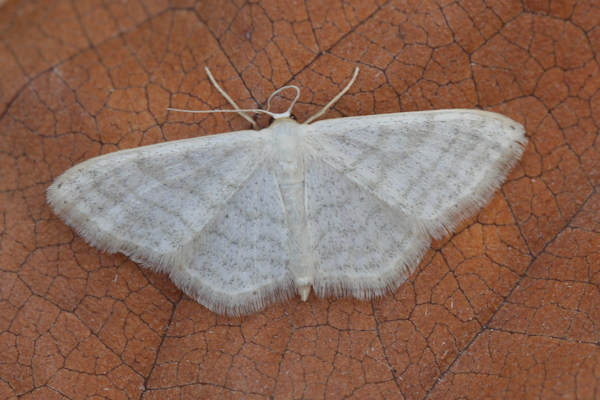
(242, 111)
(336, 98)
(288, 112)
(229, 99)
(239, 111)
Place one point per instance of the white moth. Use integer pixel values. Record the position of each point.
(346, 206)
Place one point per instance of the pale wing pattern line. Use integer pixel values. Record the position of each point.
(241, 259)
(437, 166)
(156, 203)
(362, 246)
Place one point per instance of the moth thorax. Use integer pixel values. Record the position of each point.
(287, 152)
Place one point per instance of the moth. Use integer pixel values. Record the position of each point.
(345, 206)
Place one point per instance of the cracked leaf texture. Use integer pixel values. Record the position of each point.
(506, 307)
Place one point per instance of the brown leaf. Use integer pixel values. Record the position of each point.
(507, 306)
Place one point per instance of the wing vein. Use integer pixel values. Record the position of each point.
(344, 173)
(223, 206)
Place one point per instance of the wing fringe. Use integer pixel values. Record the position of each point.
(365, 288)
(470, 204)
(172, 264)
